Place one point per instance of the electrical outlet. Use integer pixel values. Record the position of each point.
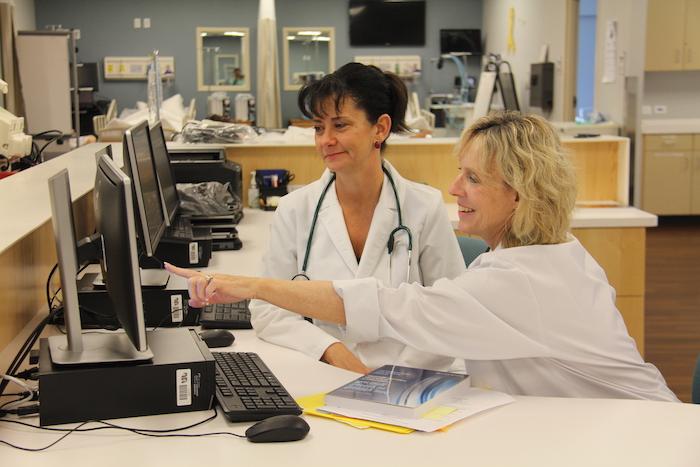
(137, 23)
(146, 23)
(646, 110)
(659, 109)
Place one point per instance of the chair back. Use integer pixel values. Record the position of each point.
(471, 248)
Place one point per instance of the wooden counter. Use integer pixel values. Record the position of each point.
(27, 250)
(602, 164)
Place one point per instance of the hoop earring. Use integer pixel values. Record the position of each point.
(377, 145)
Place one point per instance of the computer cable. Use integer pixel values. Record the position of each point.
(168, 315)
(163, 433)
(49, 299)
(28, 344)
(28, 397)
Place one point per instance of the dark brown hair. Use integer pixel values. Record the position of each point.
(374, 91)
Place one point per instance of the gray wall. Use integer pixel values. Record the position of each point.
(679, 91)
(106, 30)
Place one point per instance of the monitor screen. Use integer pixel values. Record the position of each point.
(141, 168)
(460, 40)
(166, 178)
(387, 23)
(88, 76)
(114, 213)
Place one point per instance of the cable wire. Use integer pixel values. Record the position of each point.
(153, 433)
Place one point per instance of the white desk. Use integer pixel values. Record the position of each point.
(533, 431)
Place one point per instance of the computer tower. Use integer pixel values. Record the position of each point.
(542, 85)
(161, 307)
(180, 378)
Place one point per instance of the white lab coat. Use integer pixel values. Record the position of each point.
(436, 254)
(535, 320)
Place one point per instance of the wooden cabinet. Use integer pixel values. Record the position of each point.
(671, 174)
(695, 177)
(673, 37)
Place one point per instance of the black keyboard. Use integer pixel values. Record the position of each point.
(180, 228)
(226, 316)
(247, 390)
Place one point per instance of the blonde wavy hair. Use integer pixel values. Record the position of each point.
(525, 150)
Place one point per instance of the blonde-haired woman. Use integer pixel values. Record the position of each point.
(534, 316)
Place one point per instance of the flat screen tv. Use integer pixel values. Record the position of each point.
(387, 23)
(460, 40)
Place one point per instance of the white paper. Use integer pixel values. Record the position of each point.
(610, 53)
(475, 400)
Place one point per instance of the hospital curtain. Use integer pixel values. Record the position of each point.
(10, 71)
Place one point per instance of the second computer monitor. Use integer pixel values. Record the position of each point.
(114, 212)
(166, 178)
(138, 162)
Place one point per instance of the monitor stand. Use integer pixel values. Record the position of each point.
(97, 348)
(150, 278)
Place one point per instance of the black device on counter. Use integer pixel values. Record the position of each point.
(161, 307)
(197, 165)
(542, 85)
(179, 378)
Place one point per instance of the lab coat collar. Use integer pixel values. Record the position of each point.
(384, 220)
(331, 217)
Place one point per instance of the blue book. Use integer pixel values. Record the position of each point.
(399, 391)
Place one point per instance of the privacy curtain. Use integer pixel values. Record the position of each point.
(10, 71)
(269, 114)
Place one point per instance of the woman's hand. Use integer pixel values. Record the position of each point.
(315, 299)
(214, 288)
(337, 354)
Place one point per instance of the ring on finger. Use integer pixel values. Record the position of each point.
(209, 278)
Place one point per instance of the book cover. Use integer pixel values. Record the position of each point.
(398, 390)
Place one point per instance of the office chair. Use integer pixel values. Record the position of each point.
(471, 248)
(695, 391)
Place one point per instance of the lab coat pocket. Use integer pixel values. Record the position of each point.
(398, 263)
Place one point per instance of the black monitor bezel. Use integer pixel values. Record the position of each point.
(120, 246)
(149, 243)
(157, 128)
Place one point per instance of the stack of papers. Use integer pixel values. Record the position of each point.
(470, 402)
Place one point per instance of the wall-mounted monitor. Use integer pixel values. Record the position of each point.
(387, 23)
(460, 40)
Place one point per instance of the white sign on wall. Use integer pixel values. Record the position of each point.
(136, 67)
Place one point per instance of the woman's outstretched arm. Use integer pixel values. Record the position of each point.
(315, 299)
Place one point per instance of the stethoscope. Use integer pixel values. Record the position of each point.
(390, 242)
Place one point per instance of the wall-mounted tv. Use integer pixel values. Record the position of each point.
(387, 23)
(460, 40)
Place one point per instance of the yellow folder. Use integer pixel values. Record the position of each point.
(310, 404)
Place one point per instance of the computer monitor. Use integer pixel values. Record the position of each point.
(115, 221)
(166, 177)
(88, 76)
(139, 165)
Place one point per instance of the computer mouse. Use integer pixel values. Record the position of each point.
(277, 429)
(217, 338)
